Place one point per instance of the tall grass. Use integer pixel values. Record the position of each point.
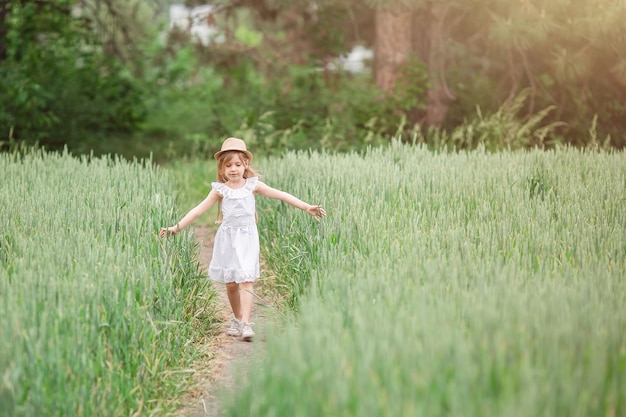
(466, 284)
(193, 178)
(96, 312)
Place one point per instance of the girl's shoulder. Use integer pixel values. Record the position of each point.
(220, 187)
(252, 182)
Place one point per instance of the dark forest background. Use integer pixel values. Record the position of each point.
(113, 76)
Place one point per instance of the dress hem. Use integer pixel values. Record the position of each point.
(238, 281)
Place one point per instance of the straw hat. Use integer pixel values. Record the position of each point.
(234, 144)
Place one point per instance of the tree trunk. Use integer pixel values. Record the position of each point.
(438, 93)
(393, 44)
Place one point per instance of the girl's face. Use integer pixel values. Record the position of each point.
(234, 168)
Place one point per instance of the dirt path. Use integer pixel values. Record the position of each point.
(227, 358)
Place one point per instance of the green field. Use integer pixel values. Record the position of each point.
(96, 312)
(462, 284)
(440, 284)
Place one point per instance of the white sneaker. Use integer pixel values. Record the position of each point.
(246, 331)
(235, 327)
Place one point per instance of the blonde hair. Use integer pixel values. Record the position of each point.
(249, 172)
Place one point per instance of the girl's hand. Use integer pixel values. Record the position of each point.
(316, 211)
(168, 231)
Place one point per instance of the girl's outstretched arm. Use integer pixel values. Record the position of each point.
(316, 211)
(192, 215)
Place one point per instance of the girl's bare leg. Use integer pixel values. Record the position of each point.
(247, 300)
(232, 290)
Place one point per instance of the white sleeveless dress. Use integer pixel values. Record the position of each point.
(236, 247)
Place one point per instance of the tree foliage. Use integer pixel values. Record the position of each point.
(59, 85)
(567, 53)
(74, 72)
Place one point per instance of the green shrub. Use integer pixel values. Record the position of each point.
(58, 87)
(504, 129)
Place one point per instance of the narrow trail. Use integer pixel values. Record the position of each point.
(227, 358)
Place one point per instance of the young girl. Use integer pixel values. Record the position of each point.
(236, 251)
